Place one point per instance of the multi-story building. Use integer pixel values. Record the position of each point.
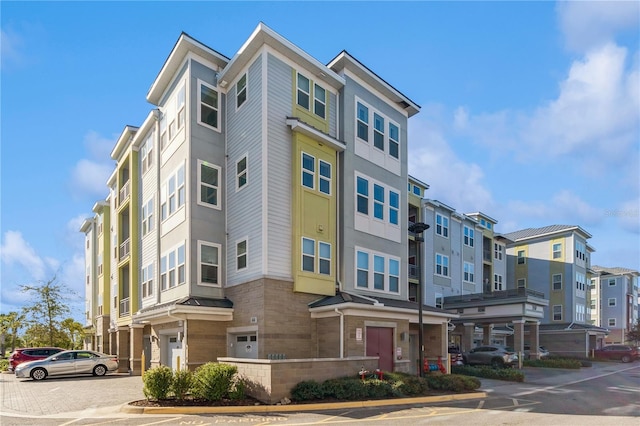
(555, 261)
(259, 212)
(416, 191)
(614, 301)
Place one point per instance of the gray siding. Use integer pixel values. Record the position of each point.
(244, 207)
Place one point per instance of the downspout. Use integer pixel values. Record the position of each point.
(157, 115)
(341, 331)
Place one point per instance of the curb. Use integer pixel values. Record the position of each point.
(299, 407)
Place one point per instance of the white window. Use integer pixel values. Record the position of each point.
(385, 199)
(468, 236)
(147, 280)
(557, 281)
(241, 91)
(417, 190)
(557, 312)
(394, 142)
(378, 131)
(522, 283)
(521, 257)
(320, 101)
(374, 125)
(146, 153)
(612, 322)
(172, 268)
(324, 184)
(581, 283)
(180, 98)
(362, 122)
(612, 282)
(439, 300)
(164, 138)
(173, 194)
(442, 265)
(497, 282)
(312, 256)
(385, 274)
(147, 217)
(209, 178)
(497, 251)
(209, 102)
(557, 250)
(242, 177)
(241, 255)
(209, 271)
(612, 301)
(308, 170)
(378, 201)
(442, 225)
(362, 195)
(394, 207)
(304, 91)
(469, 272)
(308, 254)
(324, 258)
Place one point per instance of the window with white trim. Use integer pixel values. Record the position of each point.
(556, 281)
(442, 225)
(241, 91)
(384, 199)
(147, 217)
(581, 283)
(209, 178)
(469, 236)
(209, 270)
(557, 312)
(324, 177)
(394, 207)
(324, 258)
(316, 256)
(522, 283)
(146, 153)
(439, 301)
(497, 251)
(241, 255)
(304, 91)
(580, 312)
(242, 177)
(557, 250)
(378, 131)
(147, 280)
(394, 142)
(384, 133)
(308, 254)
(180, 106)
(581, 250)
(209, 101)
(612, 282)
(378, 201)
(362, 122)
(442, 265)
(521, 257)
(612, 301)
(164, 137)
(469, 272)
(319, 101)
(173, 194)
(362, 195)
(377, 271)
(308, 170)
(612, 322)
(172, 268)
(497, 282)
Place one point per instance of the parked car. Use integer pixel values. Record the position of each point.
(497, 356)
(625, 353)
(542, 352)
(21, 355)
(68, 363)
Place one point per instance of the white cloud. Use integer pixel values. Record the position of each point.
(586, 24)
(12, 45)
(89, 175)
(451, 179)
(564, 207)
(627, 215)
(15, 250)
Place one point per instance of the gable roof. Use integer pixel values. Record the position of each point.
(529, 233)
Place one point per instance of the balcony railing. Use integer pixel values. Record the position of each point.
(414, 272)
(125, 248)
(124, 307)
(505, 294)
(486, 255)
(124, 192)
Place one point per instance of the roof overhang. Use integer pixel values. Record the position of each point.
(345, 61)
(300, 126)
(181, 312)
(123, 141)
(380, 311)
(264, 35)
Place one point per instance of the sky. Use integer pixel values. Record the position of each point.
(530, 111)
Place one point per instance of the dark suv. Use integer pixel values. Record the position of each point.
(30, 354)
(625, 353)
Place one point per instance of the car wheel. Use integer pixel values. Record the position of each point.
(497, 363)
(99, 370)
(626, 358)
(38, 374)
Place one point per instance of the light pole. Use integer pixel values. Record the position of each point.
(418, 228)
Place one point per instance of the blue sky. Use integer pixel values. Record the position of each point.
(530, 111)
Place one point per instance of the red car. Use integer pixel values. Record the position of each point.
(30, 354)
(625, 353)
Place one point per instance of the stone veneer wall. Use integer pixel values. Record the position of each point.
(272, 380)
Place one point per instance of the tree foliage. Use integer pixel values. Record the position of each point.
(633, 335)
(10, 325)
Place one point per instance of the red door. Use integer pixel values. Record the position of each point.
(380, 343)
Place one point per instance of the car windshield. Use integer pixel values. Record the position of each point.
(508, 348)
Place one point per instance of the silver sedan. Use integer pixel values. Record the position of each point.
(68, 363)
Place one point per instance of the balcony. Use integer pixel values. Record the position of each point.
(414, 272)
(124, 307)
(125, 248)
(124, 192)
(486, 255)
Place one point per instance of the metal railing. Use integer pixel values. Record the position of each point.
(124, 192)
(125, 248)
(124, 307)
(414, 272)
(504, 294)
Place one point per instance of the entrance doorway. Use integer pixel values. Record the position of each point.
(245, 346)
(174, 352)
(380, 343)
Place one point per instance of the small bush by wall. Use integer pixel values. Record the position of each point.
(487, 372)
(157, 382)
(213, 381)
(181, 383)
(555, 363)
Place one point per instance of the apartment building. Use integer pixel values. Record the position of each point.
(614, 301)
(556, 261)
(259, 212)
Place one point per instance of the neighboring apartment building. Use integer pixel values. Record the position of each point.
(416, 190)
(260, 210)
(555, 261)
(614, 301)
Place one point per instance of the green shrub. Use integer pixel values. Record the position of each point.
(556, 363)
(157, 382)
(377, 388)
(181, 383)
(348, 388)
(452, 382)
(407, 385)
(4, 364)
(487, 372)
(307, 391)
(238, 387)
(212, 381)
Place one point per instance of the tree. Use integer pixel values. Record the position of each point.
(74, 332)
(10, 324)
(48, 307)
(633, 335)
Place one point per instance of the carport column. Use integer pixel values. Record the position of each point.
(123, 349)
(534, 338)
(486, 334)
(467, 336)
(135, 359)
(518, 337)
